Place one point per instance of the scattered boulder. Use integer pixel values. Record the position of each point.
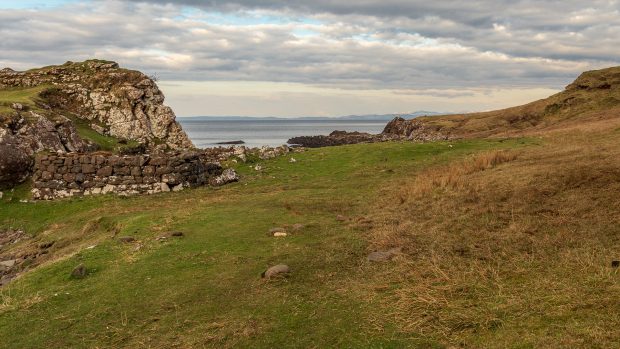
(228, 176)
(383, 256)
(175, 234)
(341, 218)
(278, 232)
(46, 245)
(127, 239)
(79, 272)
(5, 279)
(276, 270)
(15, 164)
(8, 264)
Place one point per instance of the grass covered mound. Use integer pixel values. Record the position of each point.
(501, 243)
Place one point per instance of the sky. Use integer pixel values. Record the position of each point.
(324, 57)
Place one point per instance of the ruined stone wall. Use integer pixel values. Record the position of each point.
(73, 174)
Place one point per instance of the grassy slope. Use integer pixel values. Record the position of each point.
(25, 96)
(204, 289)
(515, 256)
(571, 106)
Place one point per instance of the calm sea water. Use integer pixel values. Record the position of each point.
(255, 133)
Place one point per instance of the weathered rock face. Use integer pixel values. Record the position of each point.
(116, 102)
(15, 165)
(122, 103)
(412, 129)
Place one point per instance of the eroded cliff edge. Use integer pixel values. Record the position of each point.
(81, 107)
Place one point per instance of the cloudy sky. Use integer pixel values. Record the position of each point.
(324, 57)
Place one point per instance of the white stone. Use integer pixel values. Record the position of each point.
(165, 188)
(279, 234)
(107, 189)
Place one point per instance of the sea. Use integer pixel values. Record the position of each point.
(206, 132)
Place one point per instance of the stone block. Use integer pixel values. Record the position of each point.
(136, 171)
(46, 176)
(163, 170)
(122, 170)
(88, 168)
(105, 171)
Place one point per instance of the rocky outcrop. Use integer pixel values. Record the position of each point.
(397, 129)
(15, 165)
(122, 103)
(335, 138)
(412, 129)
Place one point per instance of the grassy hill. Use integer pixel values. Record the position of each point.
(506, 243)
(595, 95)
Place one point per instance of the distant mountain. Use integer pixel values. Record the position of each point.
(373, 117)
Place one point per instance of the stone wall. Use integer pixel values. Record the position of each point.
(74, 174)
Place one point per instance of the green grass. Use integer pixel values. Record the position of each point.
(25, 96)
(105, 143)
(204, 290)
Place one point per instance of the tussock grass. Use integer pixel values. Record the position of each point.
(508, 251)
(453, 176)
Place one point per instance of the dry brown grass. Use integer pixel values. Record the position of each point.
(506, 251)
(454, 175)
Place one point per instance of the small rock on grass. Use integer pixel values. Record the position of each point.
(341, 218)
(79, 272)
(173, 234)
(278, 232)
(383, 256)
(126, 239)
(8, 264)
(276, 270)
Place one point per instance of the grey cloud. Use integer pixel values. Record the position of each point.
(467, 50)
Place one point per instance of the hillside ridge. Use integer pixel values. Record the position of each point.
(594, 95)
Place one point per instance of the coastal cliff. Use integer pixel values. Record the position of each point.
(81, 107)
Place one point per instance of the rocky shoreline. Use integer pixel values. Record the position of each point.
(397, 129)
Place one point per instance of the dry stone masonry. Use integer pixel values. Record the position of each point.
(74, 174)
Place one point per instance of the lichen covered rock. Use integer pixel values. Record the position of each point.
(125, 104)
